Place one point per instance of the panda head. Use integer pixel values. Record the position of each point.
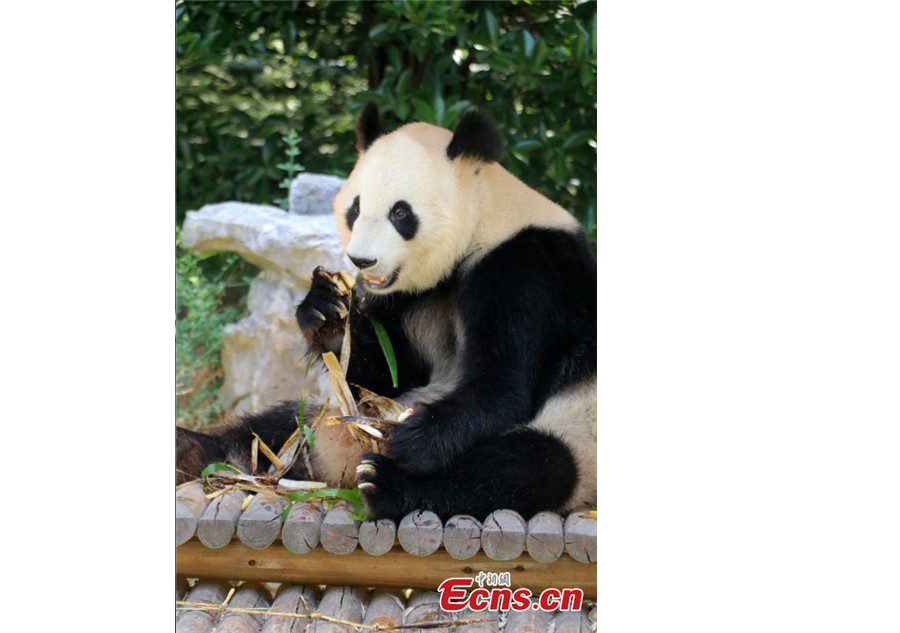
(410, 207)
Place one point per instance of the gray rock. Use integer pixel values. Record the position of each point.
(313, 194)
(290, 245)
(263, 355)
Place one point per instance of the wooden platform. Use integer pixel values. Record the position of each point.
(368, 607)
(233, 538)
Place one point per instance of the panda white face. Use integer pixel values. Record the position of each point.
(401, 213)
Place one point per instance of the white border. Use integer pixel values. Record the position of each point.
(748, 229)
(748, 252)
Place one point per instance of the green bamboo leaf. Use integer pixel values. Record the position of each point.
(310, 437)
(218, 466)
(353, 495)
(386, 348)
(301, 411)
(322, 493)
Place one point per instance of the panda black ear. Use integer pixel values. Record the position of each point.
(478, 137)
(368, 127)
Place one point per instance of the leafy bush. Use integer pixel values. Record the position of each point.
(199, 328)
(248, 72)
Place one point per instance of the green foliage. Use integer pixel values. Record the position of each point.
(290, 166)
(531, 65)
(352, 495)
(199, 327)
(218, 467)
(306, 429)
(301, 410)
(248, 72)
(310, 437)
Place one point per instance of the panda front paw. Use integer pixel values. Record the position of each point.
(388, 492)
(322, 312)
(419, 447)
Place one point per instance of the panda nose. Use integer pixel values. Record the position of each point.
(362, 263)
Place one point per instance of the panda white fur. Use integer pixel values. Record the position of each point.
(488, 292)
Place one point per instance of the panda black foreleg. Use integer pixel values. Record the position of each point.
(321, 317)
(321, 314)
(523, 470)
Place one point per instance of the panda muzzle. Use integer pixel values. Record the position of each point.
(380, 282)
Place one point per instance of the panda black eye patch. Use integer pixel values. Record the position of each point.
(352, 213)
(403, 219)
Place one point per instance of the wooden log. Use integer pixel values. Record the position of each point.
(198, 620)
(530, 621)
(247, 596)
(377, 537)
(572, 622)
(462, 536)
(394, 569)
(340, 533)
(291, 599)
(503, 535)
(424, 606)
(302, 526)
(218, 522)
(491, 623)
(385, 609)
(190, 502)
(581, 538)
(420, 532)
(545, 540)
(260, 523)
(344, 603)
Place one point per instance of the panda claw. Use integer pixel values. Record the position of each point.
(388, 493)
(318, 315)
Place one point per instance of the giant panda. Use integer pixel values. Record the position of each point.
(487, 290)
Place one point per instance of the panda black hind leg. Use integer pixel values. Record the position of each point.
(230, 443)
(524, 470)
